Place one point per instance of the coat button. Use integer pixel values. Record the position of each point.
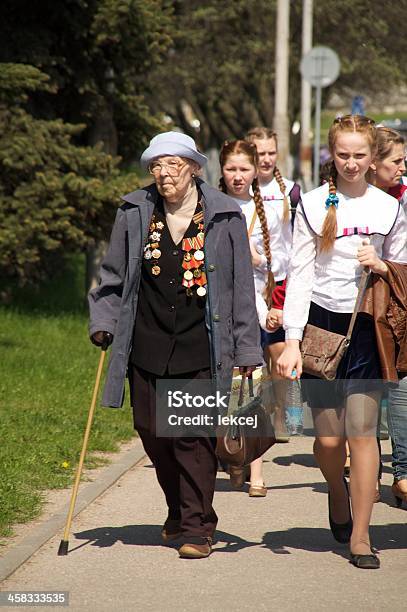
(175, 252)
(172, 281)
(171, 308)
(211, 268)
(216, 318)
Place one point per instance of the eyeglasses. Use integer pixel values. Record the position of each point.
(173, 167)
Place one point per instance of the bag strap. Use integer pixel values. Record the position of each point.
(295, 196)
(241, 390)
(252, 222)
(362, 288)
(295, 199)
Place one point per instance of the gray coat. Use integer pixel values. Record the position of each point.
(231, 316)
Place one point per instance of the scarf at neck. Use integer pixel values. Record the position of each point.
(179, 215)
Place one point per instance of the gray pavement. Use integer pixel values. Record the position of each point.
(275, 553)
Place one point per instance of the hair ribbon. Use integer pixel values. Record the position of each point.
(332, 200)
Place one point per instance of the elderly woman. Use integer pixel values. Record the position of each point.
(176, 293)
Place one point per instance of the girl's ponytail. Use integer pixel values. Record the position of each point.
(281, 184)
(258, 201)
(330, 227)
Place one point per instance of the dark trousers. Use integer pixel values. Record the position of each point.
(185, 467)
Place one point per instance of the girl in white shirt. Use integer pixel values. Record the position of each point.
(278, 192)
(239, 163)
(340, 228)
(281, 195)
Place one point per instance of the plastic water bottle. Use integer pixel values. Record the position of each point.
(294, 410)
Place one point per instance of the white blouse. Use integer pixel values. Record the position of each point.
(272, 197)
(331, 279)
(403, 201)
(278, 249)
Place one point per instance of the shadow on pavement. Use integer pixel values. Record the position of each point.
(306, 460)
(383, 537)
(148, 535)
(223, 485)
(314, 539)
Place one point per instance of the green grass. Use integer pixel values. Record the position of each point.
(47, 373)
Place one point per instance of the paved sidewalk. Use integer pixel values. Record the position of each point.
(275, 553)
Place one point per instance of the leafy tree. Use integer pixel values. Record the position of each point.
(55, 197)
(97, 54)
(221, 68)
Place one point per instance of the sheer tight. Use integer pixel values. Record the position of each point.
(357, 422)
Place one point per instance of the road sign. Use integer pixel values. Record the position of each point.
(320, 66)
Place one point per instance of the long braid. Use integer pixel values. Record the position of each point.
(281, 184)
(258, 201)
(330, 227)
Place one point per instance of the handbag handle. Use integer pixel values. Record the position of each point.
(253, 221)
(241, 389)
(362, 288)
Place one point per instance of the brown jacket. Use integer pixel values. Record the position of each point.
(386, 301)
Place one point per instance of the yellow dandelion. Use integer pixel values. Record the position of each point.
(65, 464)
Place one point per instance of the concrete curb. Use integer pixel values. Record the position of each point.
(44, 532)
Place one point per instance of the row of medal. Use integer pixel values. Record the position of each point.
(151, 250)
(193, 260)
(193, 263)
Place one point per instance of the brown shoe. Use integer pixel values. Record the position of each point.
(257, 491)
(196, 551)
(237, 476)
(171, 530)
(399, 490)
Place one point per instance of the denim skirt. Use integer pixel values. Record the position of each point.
(359, 370)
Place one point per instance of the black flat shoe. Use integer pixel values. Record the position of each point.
(341, 531)
(365, 561)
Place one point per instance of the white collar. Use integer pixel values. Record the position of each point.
(373, 213)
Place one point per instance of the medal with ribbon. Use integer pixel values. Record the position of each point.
(193, 261)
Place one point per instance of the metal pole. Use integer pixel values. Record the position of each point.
(317, 138)
(306, 149)
(281, 123)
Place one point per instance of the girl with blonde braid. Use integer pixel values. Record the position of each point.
(239, 163)
(282, 196)
(340, 228)
(277, 191)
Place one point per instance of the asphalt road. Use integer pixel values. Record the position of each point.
(275, 553)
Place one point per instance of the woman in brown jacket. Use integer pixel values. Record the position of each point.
(387, 170)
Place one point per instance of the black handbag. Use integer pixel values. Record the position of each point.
(237, 443)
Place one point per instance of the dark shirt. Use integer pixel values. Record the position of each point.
(170, 332)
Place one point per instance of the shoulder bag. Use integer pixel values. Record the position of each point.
(322, 350)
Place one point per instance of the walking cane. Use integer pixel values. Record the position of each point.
(63, 546)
